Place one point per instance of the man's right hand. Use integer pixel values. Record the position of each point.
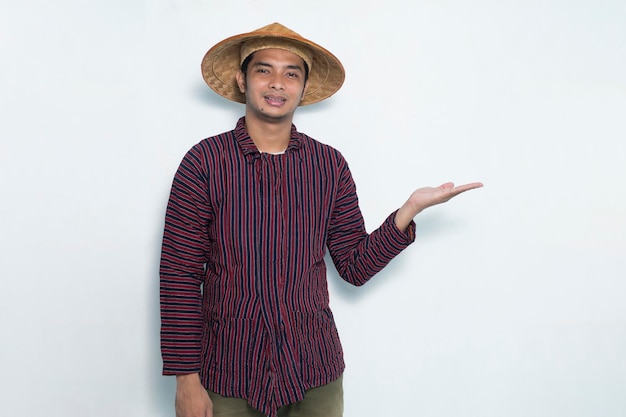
(192, 399)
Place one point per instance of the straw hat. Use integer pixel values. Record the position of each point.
(222, 61)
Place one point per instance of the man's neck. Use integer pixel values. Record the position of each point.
(269, 137)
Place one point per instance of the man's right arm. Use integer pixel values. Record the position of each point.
(183, 254)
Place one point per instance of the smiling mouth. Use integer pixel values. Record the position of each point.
(275, 99)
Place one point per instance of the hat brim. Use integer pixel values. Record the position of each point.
(221, 63)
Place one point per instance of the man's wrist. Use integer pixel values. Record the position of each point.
(404, 216)
(188, 378)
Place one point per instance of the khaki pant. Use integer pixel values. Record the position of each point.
(324, 401)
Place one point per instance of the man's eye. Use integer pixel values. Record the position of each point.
(292, 75)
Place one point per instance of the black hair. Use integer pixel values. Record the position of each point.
(246, 62)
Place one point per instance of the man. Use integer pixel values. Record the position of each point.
(246, 324)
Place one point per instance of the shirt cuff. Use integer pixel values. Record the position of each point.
(405, 237)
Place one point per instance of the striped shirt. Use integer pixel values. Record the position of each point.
(244, 297)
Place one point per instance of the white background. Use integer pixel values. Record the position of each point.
(510, 303)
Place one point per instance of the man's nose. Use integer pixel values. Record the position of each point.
(276, 81)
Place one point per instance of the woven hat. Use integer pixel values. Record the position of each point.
(222, 61)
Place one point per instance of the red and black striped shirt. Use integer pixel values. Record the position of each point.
(244, 297)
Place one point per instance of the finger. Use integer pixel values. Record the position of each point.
(467, 187)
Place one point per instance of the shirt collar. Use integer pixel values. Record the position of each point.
(249, 149)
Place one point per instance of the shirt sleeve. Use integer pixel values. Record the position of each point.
(183, 256)
(357, 255)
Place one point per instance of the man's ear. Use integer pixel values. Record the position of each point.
(306, 87)
(241, 81)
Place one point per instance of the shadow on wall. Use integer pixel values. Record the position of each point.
(427, 225)
(203, 93)
(162, 388)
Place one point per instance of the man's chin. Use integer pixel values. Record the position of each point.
(274, 117)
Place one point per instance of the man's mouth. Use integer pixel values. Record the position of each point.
(276, 100)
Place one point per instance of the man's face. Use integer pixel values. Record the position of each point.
(274, 84)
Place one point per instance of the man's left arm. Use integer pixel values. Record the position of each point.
(358, 255)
